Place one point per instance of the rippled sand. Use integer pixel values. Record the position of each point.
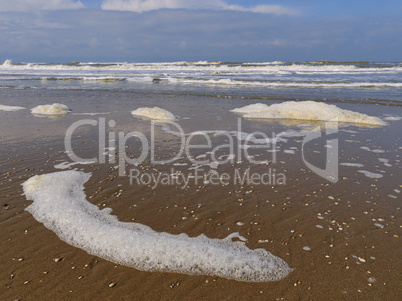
(342, 239)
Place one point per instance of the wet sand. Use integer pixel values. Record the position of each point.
(342, 239)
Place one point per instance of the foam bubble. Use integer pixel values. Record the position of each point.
(370, 174)
(54, 109)
(376, 151)
(306, 110)
(66, 165)
(10, 108)
(154, 113)
(351, 164)
(59, 203)
(289, 151)
(393, 118)
(385, 161)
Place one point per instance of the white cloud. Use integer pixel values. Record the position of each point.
(264, 9)
(29, 5)
(148, 5)
(168, 35)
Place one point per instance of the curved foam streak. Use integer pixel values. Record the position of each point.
(59, 203)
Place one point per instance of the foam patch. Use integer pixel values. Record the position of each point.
(154, 113)
(306, 110)
(10, 108)
(59, 202)
(54, 109)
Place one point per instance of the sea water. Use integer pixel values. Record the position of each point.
(346, 81)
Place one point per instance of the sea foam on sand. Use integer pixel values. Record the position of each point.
(59, 202)
(154, 113)
(54, 109)
(10, 108)
(305, 110)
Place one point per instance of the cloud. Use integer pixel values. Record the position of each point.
(264, 9)
(193, 35)
(30, 5)
(149, 5)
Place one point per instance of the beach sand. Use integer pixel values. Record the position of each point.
(342, 239)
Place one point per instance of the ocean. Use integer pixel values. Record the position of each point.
(356, 82)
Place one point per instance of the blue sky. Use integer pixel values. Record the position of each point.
(177, 30)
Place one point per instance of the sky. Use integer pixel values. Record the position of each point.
(194, 30)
